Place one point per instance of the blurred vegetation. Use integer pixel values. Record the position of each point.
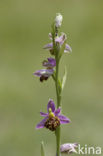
(24, 28)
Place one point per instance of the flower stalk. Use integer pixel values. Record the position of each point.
(58, 131)
(58, 93)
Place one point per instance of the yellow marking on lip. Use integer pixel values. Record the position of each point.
(51, 114)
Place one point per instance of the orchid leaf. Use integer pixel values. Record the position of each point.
(60, 85)
(62, 49)
(64, 78)
(42, 149)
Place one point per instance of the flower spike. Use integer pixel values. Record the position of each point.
(53, 118)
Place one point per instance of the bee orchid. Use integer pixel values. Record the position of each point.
(53, 117)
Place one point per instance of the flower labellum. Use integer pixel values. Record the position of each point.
(68, 148)
(44, 74)
(53, 118)
(58, 20)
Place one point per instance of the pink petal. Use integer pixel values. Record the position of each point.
(61, 39)
(51, 105)
(63, 119)
(68, 49)
(57, 111)
(43, 114)
(41, 124)
(48, 46)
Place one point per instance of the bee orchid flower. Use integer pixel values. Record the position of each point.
(44, 74)
(60, 40)
(69, 148)
(53, 117)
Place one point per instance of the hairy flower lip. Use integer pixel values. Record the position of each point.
(52, 123)
(57, 113)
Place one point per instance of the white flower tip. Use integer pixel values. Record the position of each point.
(58, 20)
(50, 99)
(50, 36)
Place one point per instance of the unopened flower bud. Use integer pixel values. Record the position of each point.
(58, 20)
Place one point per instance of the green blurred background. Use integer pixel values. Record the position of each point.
(24, 28)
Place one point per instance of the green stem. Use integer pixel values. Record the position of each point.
(58, 138)
(58, 131)
(56, 82)
(58, 93)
